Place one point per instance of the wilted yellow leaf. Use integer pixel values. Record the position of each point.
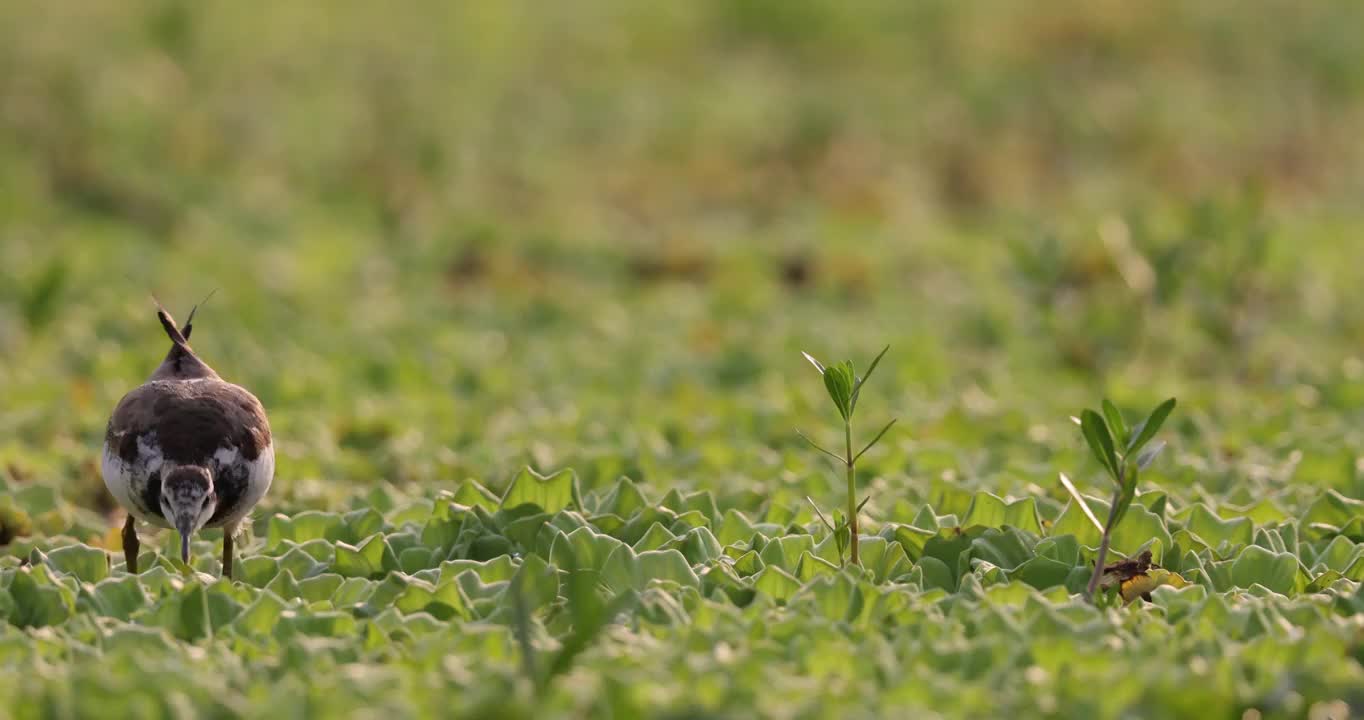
(1143, 584)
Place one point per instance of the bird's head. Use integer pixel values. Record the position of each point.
(188, 502)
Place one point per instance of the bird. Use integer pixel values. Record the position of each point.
(187, 450)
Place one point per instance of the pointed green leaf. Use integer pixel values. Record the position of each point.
(838, 381)
(1150, 426)
(1149, 454)
(874, 440)
(859, 382)
(1115, 422)
(1100, 442)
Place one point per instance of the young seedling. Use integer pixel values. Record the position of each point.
(1124, 453)
(839, 527)
(844, 388)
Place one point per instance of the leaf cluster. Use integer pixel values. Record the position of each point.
(1123, 452)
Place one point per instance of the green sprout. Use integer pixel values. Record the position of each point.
(1123, 452)
(844, 388)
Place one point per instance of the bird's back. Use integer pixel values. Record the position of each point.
(190, 420)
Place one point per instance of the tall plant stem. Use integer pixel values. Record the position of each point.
(851, 463)
(1101, 559)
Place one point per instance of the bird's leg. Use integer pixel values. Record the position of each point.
(130, 544)
(227, 552)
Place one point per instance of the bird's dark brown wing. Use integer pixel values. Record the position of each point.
(189, 421)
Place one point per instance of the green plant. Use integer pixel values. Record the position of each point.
(845, 388)
(1123, 462)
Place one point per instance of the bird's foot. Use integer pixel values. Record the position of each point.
(130, 543)
(227, 553)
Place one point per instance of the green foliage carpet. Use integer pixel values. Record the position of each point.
(524, 288)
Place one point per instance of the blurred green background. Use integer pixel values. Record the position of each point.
(453, 239)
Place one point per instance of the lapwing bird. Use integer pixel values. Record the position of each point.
(187, 450)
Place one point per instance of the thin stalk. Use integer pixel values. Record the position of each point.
(851, 461)
(1101, 559)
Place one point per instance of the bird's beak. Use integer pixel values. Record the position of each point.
(183, 526)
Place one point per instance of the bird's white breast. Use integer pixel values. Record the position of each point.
(125, 480)
(259, 474)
